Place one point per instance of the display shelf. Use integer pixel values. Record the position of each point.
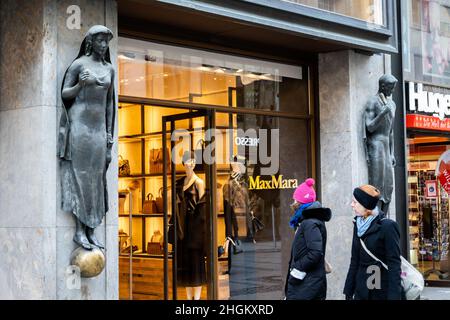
(158, 215)
(157, 134)
(153, 256)
(413, 215)
(143, 215)
(219, 172)
(146, 255)
(139, 137)
(141, 134)
(148, 175)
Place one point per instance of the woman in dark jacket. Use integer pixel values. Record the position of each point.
(306, 279)
(367, 278)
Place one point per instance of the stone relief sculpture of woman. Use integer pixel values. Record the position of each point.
(86, 134)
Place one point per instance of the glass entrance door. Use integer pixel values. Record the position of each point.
(189, 216)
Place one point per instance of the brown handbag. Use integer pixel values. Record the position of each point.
(155, 246)
(149, 206)
(156, 160)
(124, 167)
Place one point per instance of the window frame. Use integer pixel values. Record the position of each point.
(333, 17)
(304, 22)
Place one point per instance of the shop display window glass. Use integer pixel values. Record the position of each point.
(366, 10)
(428, 203)
(426, 41)
(256, 267)
(259, 159)
(162, 72)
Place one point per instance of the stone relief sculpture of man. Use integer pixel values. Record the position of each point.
(86, 135)
(379, 117)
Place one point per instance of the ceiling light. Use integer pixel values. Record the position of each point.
(127, 56)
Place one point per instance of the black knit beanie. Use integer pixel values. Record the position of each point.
(366, 200)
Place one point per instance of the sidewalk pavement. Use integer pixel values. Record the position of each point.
(435, 293)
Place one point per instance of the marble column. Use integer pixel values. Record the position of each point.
(346, 81)
(36, 235)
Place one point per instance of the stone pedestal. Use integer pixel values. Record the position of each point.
(346, 81)
(36, 235)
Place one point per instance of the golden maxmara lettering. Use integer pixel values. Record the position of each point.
(255, 183)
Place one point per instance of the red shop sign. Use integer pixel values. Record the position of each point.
(418, 121)
(443, 170)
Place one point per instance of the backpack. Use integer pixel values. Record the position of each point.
(412, 280)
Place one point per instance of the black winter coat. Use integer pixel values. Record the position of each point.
(308, 255)
(383, 240)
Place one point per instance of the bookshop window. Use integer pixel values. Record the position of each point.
(428, 197)
(366, 10)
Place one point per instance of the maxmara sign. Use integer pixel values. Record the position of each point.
(255, 183)
(428, 107)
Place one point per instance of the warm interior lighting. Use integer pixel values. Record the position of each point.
(127, 56)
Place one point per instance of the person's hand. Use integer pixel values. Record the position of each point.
(348, 297)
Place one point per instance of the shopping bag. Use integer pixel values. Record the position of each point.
(256, 224)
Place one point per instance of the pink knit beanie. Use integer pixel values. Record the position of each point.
(305, 192)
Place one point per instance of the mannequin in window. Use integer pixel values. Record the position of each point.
(191, 229)
(236, 200)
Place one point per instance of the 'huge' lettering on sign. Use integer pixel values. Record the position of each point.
(428, 108)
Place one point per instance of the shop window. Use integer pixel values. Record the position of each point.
(416, 14)
(252, 234)
(428, 206)
(427, 41)
(367, 10)
(185, 75)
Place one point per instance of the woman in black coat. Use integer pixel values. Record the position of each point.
(368, 279)
(306, 277)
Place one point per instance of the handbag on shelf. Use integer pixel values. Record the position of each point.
(156, 161)
(149, 206)
(122, 198)
(124, 167)
(155, 246)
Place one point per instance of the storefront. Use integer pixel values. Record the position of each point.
(428, 144)
(261, 105)
(274, 91)
(237, 108)
(427, 100)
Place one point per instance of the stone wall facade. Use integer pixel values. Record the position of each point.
(36, 234)
(346, 81)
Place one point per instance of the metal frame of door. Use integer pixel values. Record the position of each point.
(210, 175)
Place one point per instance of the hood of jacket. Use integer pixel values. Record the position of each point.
(316, 211)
